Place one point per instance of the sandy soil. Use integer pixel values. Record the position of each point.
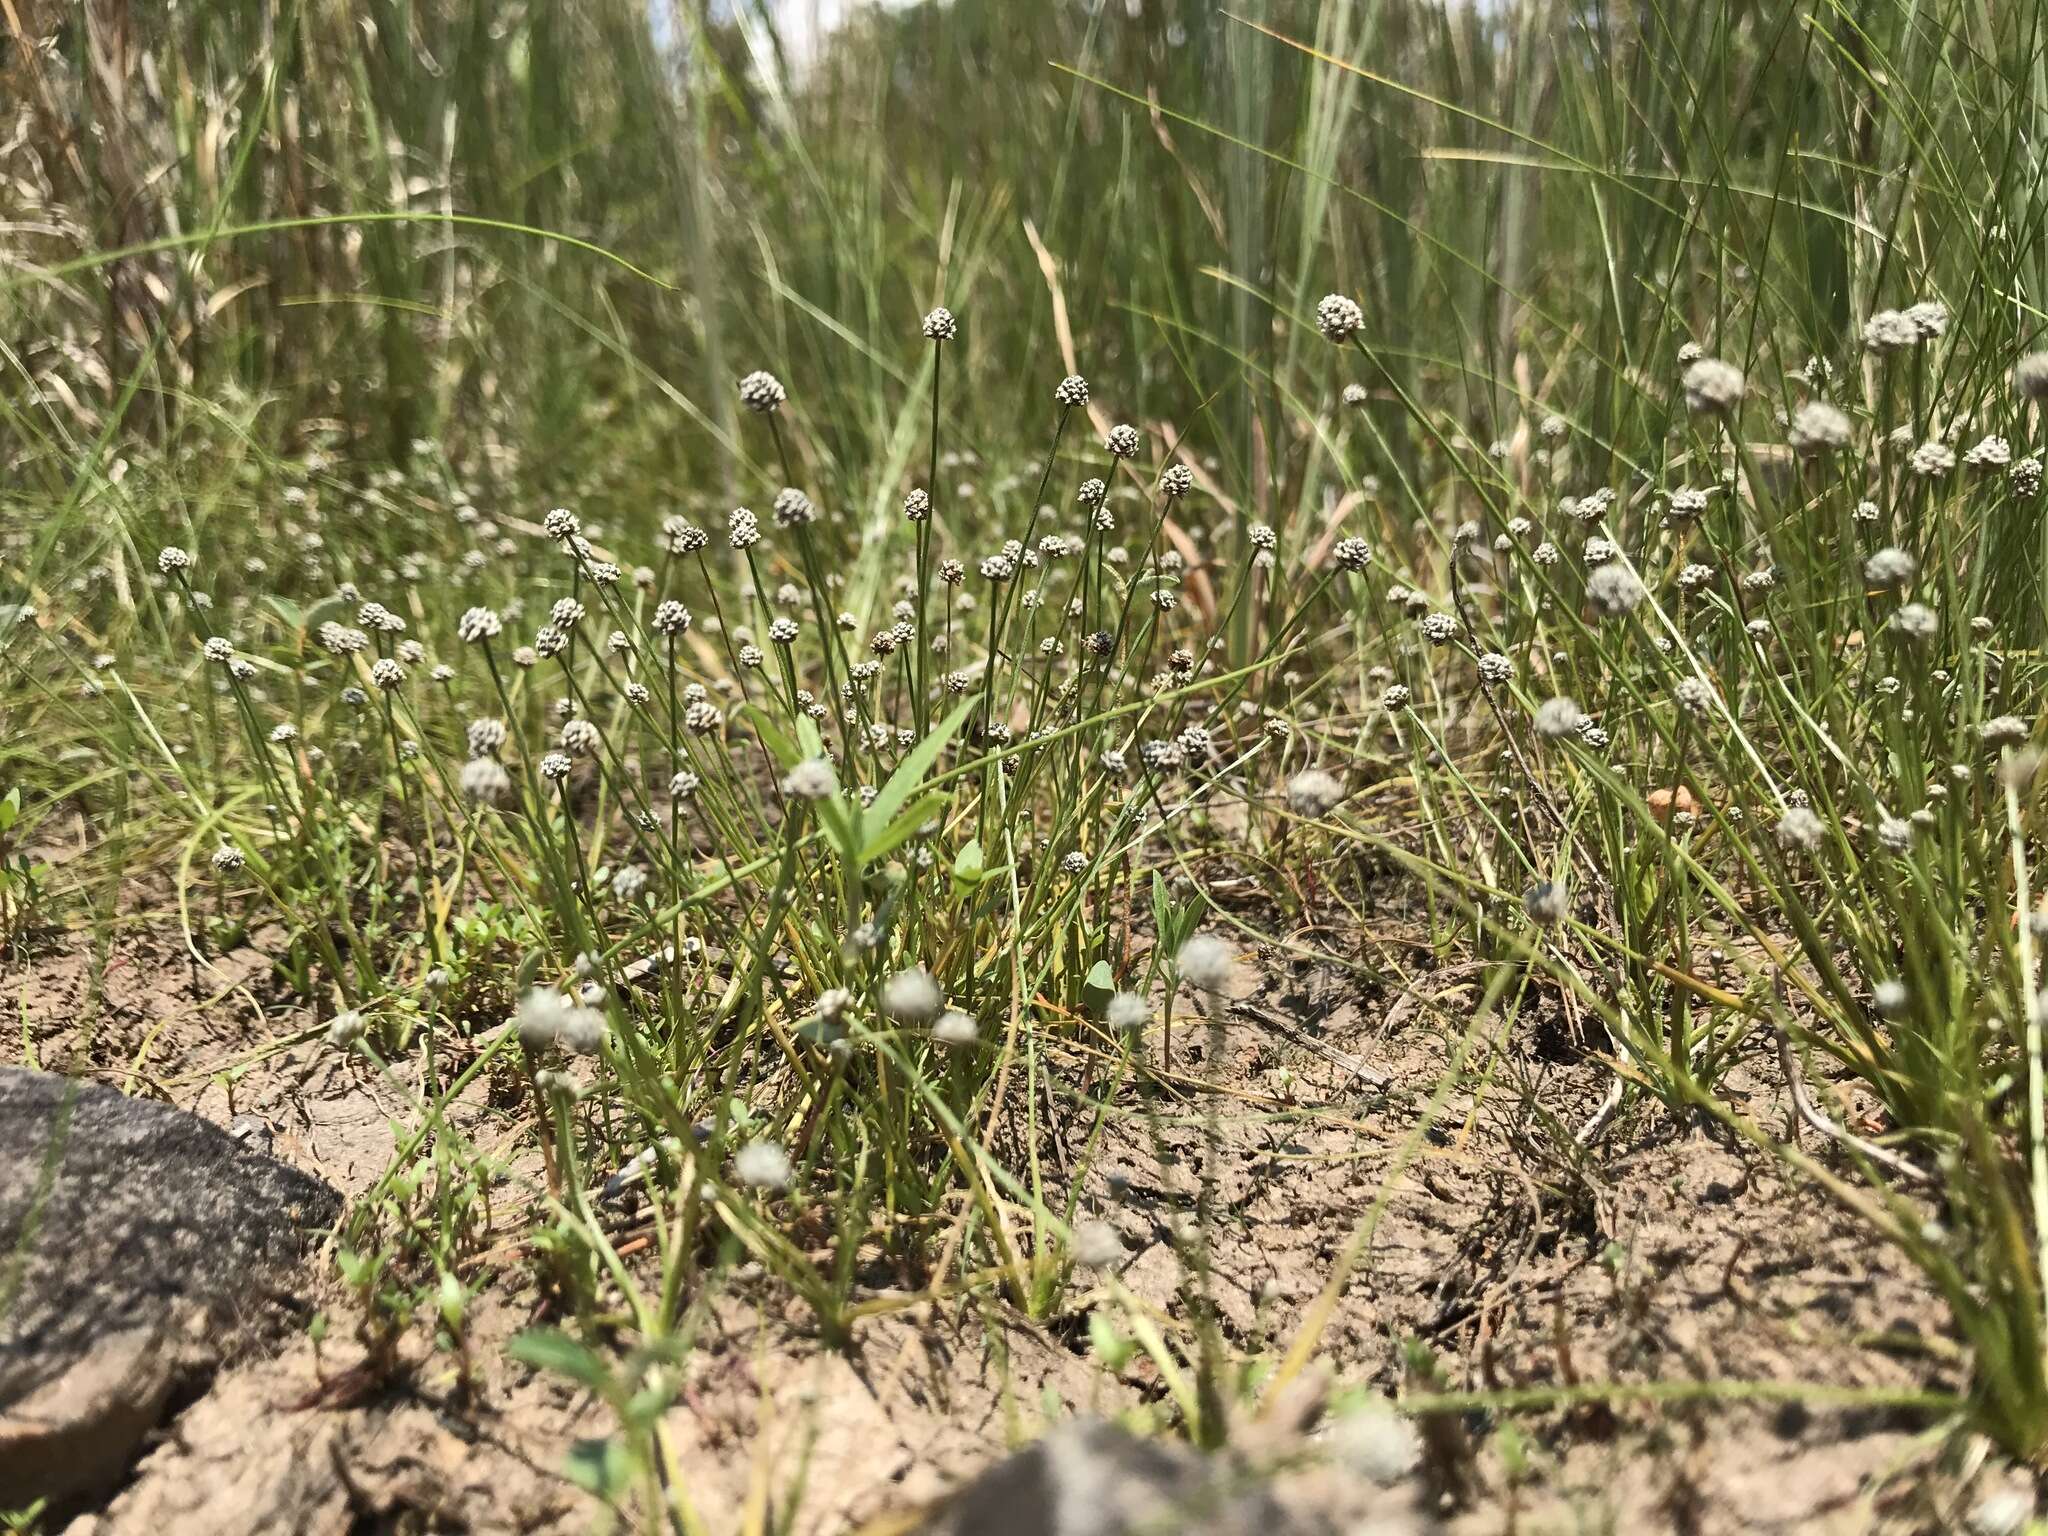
(1665, 1256)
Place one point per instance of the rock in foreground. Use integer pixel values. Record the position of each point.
(135, 1243)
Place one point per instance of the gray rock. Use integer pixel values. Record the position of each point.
(1093, 1479)
(137, 1244)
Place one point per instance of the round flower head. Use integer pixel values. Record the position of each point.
(2029, 382)
(1929, 318)
(1338, 317)
(540, 1017)
(1799, 830)
(1990, 452)
(1889, 567)
(1546, 904)
(1127, 1013)
(1818, 428)
(227, 858)
(1096, 1245)
(1177, 481)
(955, 1029)
(345, 1029)
(1356, 395)
(1071, 391)
(911, 996)
(670, 617)
(1122, 442)
(1205, 962)
(1352, 554)
(554, 767)
(763, 1165)
(1932, 460)
(762, 391)
(386, 673)
(917, 506)
(1712, 386)
(742, 528)
(218, 650)
(2004, 731)
(1312, 792)
(940, 325)
(583, 1030)
(171, 558)
(812, 779)
(793, 509)
(1559, 717)
(1395, 699)
(1614, 591)
(485, 780)
(1916, 621)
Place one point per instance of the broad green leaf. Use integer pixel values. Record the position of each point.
(550, 1349)
(903, 828)
(917, 762)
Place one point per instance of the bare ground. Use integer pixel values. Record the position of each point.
(1667, 1256)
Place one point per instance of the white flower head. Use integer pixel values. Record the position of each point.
(1205, 962)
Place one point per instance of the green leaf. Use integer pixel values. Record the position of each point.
(917, 762)
(968, 867)
(1098, 987)
(903, 828)
(600, 1467)
(550, 1349)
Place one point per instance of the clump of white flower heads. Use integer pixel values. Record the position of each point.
(670, 617)
(171, 558)
(484, 780)
(1929, 318)
(917, 505)
(1395, 699)
(762, 391)
(1177, 481)
(555, 766)
(911, 996)
(227, 858)
(1890, 330)
(1071, 391)
(1123, 441)
(941, 325)
(1711, 385)
(386, 673)
(1356, 395)
(1338, 317)
(1205, 962)
(1352, 554)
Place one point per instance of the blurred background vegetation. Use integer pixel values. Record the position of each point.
(325, 213)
